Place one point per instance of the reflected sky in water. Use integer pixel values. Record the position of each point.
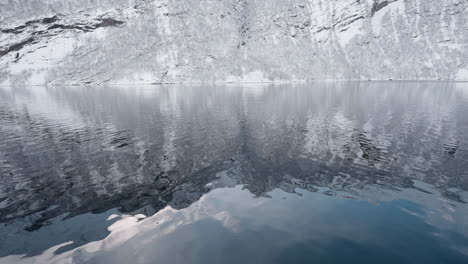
(326, 172)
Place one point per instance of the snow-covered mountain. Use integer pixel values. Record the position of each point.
(174, 41)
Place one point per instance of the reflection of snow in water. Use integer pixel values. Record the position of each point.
(149, 147)
(238, 211)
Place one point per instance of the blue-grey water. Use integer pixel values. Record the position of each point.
(326, 172)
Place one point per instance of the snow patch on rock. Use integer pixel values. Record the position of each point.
(462, 75)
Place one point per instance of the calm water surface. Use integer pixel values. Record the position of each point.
(320, 173)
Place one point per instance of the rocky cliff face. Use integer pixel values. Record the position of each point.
(173, 41)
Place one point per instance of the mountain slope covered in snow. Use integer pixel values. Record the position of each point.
(194, 41)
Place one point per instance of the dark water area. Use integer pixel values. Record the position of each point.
(327, 172)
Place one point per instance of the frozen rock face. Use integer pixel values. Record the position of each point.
(173, 41)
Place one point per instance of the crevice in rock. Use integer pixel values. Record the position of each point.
(378, 5)
(108, 22)
(21, 28)
(37, 33)
(104, 22)
(16, 46)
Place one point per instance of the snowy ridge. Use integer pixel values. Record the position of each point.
(191, 41)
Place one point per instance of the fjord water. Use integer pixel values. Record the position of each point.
(327, 172)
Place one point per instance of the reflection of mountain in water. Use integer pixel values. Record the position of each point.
(80, 150)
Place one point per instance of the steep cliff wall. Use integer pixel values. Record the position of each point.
(167, 41)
